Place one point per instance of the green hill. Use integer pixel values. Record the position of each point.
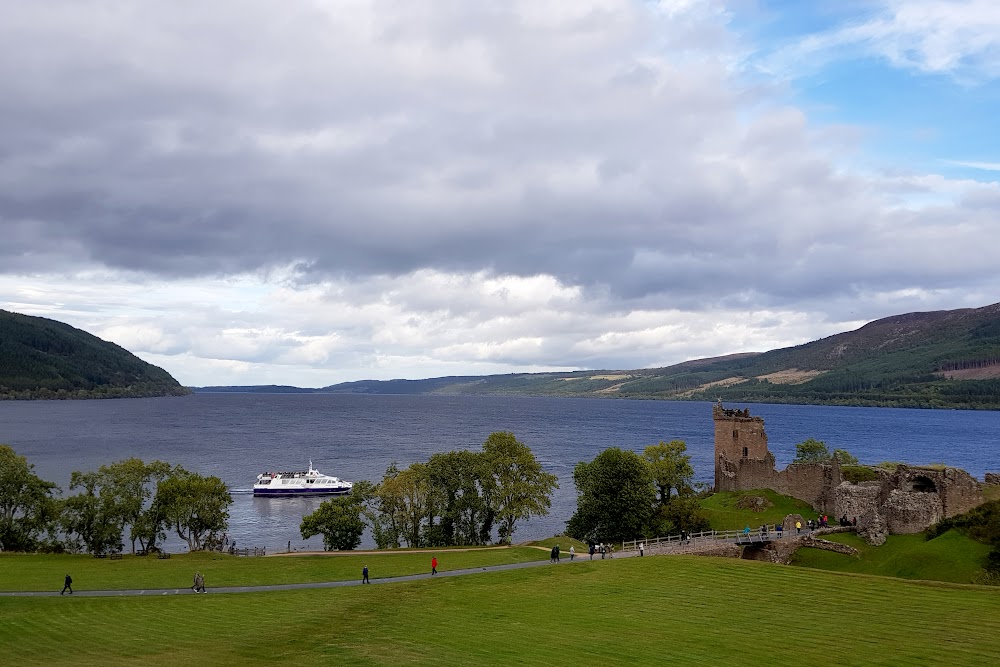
(42, 358)
(948, 359)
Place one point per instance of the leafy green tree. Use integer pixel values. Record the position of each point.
(93, 517)
(193, 506)
(338, 520)
(671, 468)
(844, 457)
(811, 451)
(615, 497)
(515, 485)
(454, 480)
(28, 509)
(405, 495)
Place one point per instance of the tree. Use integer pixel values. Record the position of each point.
(811, 451)
(615, 497)
(515, 486)
(195, 507)
(338, 520)
(132, 484)
(93, 515)
(454, 480)
(671, 468)
(844, 457)
(405, 496)
(28, 509)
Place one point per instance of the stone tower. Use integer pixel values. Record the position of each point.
(737, 436)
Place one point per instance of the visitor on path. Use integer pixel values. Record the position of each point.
(746, 530)
(778, 528)
(67, 584)
(572, 553)
(434, 565)
(642, 549)
(364, 575)
(552, 555)
(199, 583)
(557, 553)
(601, 547)
(592, 550)
(684, 537)
(798, 527)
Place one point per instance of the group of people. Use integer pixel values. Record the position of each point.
(600, 548)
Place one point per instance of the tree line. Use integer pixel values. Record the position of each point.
(459, 497)
(127, 500)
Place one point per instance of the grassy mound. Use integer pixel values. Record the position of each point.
(641, 611)
(723, 512)
(950, 557)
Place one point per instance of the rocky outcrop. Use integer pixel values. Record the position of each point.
(992, 478)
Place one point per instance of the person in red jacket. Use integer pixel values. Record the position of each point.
(434, 565)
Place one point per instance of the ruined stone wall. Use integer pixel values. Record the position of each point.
(854, 500)
(992, 478)
(909, 512)
(813, 483)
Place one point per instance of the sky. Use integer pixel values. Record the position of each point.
(317, 191)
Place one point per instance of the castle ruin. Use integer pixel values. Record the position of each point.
(906, 500)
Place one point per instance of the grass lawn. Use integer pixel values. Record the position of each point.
(636, 611)
(721, 511)
(41, 572)
(949, 557)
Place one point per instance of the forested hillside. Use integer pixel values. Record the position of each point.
(938, 359)
(42, 358)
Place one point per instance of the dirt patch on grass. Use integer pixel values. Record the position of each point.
(790, 376)
(984, 373)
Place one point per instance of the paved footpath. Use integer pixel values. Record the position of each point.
(292, 587)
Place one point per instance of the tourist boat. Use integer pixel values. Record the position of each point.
(309, 483)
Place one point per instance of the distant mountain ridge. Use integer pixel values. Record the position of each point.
(947, 359)
(43, 358)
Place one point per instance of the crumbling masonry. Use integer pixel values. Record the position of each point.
(907, 500)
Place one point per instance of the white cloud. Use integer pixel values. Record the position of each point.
(329, 191)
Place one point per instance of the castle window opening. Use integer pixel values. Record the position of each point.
(736, 434)
(922, 484)
(746, 452)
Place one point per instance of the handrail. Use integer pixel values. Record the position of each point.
(769, 534)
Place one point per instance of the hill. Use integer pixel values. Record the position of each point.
(947, 359)
(43, 358)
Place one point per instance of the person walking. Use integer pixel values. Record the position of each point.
(434, 565)
(199, 583)
(798, 527)
(572, 553)
(67, 585)
(364, 575)
(642, 549)
(592, 550)
(557, 553)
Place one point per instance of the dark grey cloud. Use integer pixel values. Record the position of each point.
(608, 146)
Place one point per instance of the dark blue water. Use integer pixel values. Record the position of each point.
(236, 436)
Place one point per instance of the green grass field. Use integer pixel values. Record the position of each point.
(950, 557)
(637, 611)
(721, 511)
(42, 572)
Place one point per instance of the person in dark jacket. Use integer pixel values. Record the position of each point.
(67, 585)
(364, 575)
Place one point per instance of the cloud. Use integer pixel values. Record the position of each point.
(958, 38)
(321, 191)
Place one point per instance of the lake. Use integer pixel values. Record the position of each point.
(237, 436)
